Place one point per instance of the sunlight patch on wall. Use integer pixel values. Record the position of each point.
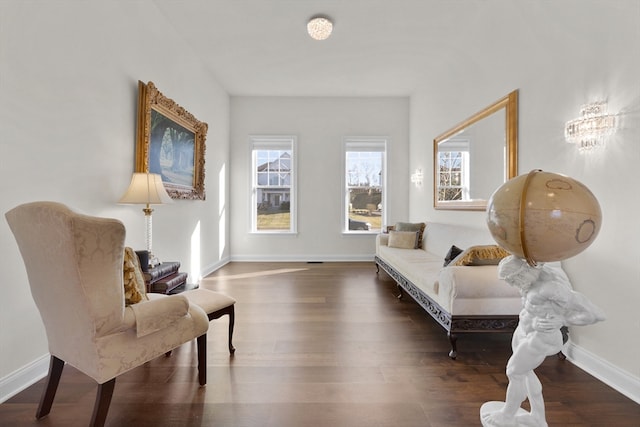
(196, 272)
(222, 207)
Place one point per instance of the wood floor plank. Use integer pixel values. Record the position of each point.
(320, 345)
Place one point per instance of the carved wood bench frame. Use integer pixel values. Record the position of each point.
(454, 325)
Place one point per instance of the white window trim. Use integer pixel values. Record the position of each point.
(365, 143)
(274, 142)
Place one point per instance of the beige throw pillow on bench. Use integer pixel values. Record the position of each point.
(403, 239)
(410, 226)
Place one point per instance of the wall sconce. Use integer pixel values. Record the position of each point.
(591, 130)
(416, 177)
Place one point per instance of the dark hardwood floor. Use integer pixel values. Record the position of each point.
(324, 345)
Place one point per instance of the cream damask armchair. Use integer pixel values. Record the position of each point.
(74, 264)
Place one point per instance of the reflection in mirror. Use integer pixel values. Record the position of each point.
(475, 157)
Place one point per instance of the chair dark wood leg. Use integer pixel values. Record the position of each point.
(103, 400)
(232, 320)
(202, 359)
(53, 379)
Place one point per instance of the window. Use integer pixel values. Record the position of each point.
(364, 190)
(453, 170)
(273, 184)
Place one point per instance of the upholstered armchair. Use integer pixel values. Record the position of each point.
(74, 264)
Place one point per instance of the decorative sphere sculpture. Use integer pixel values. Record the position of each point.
(543, 217)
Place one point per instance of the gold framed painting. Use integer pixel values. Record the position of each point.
(171, 143)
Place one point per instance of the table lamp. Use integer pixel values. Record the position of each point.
(146, 189)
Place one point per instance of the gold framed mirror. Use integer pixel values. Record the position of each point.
(472, 159)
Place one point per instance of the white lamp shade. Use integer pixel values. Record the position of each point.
(146, 188)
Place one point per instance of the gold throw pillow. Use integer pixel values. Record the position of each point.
(135, 290)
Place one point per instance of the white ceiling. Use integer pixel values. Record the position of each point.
(378, 47)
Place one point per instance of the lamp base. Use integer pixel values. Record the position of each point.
(153, 261)
(521, 419)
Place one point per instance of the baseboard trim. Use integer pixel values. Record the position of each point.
(24, 377)
(215, 266)
(616, 378)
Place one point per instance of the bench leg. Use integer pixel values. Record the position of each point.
(454, 348)
(231, 311)
(232, 320)
(565, 337)
(202, 359)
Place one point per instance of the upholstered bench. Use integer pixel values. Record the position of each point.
(465, 296)
(215, 305)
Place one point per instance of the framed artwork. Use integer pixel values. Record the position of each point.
(171, 143)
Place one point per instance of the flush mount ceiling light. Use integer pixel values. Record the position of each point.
(319, 27)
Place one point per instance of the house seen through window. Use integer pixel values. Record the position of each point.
(364, 191)
(273, 192)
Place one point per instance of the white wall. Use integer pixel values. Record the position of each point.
(559, 59)
(320, 125)
(68, 91)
